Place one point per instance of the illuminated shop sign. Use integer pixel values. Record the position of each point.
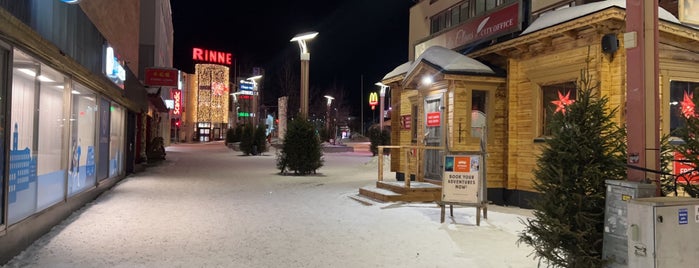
(501, 22)
(164, 77)
(199, 54)
(247, 85)
(373, 100)
(113, 67)
(177, 98)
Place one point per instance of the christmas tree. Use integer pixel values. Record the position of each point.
(586, 147)
(301, 150)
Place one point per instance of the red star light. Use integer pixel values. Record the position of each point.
(687, 105)
(562, 102)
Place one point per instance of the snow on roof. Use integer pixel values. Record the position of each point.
(450, 61)
(401, 69)
(559, 16)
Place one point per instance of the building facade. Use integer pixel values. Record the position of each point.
(504, 63)
(71, 98)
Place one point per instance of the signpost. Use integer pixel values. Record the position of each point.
(464, 183)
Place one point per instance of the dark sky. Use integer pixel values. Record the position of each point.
(357, 38)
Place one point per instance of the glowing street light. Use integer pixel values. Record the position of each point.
(382, 94)
(305, 57)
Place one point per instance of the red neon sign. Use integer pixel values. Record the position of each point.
(177, 97)
(212, 56)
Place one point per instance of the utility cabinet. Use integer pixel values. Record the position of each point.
(615, 244)
(663, 232)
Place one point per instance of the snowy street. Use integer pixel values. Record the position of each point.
(209, 206)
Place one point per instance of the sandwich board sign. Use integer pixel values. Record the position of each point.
(462, 179)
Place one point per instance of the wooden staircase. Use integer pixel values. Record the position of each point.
(396, 191)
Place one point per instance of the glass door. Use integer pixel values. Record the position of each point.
(434, 122)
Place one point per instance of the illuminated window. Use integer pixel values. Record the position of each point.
(682, 102)
(556, 98)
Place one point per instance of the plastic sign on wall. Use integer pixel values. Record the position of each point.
(461, 179)
(373, 100)
(211, 56)
(434, 119)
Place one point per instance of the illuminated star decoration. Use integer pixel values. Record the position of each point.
(687, 105)
(562, 102)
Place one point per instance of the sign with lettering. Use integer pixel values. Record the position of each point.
(501, 22)
(461, 179)
(177, 98)
(211, 56)
(685, 171)
(163, 77)
(405, 121)
(434, 119)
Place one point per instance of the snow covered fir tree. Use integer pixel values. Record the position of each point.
(301, 150)
(585, 148)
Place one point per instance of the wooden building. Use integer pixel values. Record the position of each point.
(540, 64)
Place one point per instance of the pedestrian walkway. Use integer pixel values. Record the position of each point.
(209, 206)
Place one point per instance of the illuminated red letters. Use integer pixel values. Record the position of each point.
(206, 55)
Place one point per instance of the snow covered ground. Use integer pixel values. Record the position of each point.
(208, 206)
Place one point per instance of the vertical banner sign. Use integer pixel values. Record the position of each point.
(461, 179)
(177, 97)
(103, 162)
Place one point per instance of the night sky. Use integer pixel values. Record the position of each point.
(357, 38)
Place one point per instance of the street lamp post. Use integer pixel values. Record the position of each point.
(327, 114)
(382, 94)
(305, 57)
(255, 99)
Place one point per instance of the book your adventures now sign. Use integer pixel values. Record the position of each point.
(461, 180)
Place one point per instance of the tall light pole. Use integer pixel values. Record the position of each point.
(382, 94)
(305, 57)
(327, 114)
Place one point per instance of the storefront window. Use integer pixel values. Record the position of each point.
(682, 96)
(37, 175)
(4, 65)
(81, 170)
(555, 99)
(116, 140)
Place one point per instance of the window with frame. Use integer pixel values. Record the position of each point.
(682, 95)
(555, 98)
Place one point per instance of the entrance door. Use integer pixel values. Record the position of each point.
(434, 122)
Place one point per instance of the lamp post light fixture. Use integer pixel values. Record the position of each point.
(382, 95)
(305, 57)
(327, 115)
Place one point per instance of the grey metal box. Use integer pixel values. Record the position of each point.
(663, 232)
(615, 218)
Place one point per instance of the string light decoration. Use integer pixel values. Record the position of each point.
(212, 93)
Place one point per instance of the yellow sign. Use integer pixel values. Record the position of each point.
(373, 99)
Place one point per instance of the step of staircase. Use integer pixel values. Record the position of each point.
(396, 191)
